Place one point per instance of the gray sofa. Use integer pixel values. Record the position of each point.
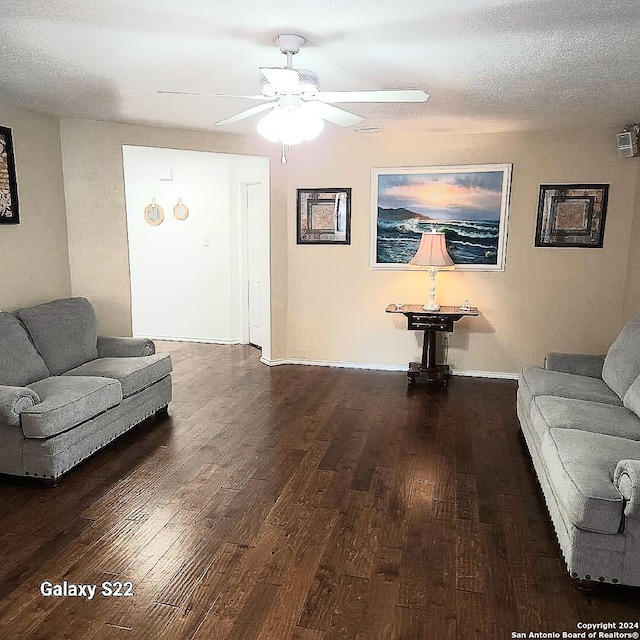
(579, 415)
(65, 392)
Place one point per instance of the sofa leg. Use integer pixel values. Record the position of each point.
(588, 587)
(49, 483)
(162, 413)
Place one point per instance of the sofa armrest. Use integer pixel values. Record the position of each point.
(124, 347)
(576, 363)
(626, 478)
(13, 401)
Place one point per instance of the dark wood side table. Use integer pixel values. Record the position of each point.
(431, 322)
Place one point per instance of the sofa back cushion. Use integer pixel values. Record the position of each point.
(632, 397)
(64, 332)
(20, 363)
(622, 364)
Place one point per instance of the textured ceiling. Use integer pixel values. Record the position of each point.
(489, 65)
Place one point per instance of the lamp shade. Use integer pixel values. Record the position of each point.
(432, 251)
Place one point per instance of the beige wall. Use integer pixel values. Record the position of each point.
(327, 304)
(34, 260)
(94, 183)
(547, 299)
(632, 291)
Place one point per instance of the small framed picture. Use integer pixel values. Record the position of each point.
(324, 216)
(571, 215)
(8, 182)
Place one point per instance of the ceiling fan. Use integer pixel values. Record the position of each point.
(297, 108)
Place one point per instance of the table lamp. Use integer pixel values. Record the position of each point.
(432, 253)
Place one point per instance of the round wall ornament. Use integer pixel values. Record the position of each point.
(181, 211)
(153, 213)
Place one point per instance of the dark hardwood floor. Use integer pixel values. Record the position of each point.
(300, 503)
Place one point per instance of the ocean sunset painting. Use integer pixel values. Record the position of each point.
(469, 204)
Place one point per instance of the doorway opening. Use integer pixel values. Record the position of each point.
(198, 230)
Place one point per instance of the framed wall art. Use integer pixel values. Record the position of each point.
(468, 203)
(571, 215)
(181, 211)
(154, 214)
(324, 216)
(8, 183)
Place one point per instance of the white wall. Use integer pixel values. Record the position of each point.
(186, 276)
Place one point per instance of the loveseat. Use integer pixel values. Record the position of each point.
(579, 416)
(65, 392)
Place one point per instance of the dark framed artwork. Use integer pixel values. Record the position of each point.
(324, 216)
(8, 182)
(571, 215)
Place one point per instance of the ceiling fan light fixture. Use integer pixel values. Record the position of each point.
(310, 126)
(290, 125)
(269, 126)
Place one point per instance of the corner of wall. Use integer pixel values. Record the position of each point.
(34, 254)
(631, 300)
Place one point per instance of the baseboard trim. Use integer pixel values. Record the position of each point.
(470, 373)
(327, 363)
(200, 340)
(385, 367)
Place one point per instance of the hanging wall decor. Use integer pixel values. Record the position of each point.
(468, 203)
(154, 214)
(8, 182)
(181, 211)
(324, 216)
(571, 215)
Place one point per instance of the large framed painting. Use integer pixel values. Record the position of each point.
(468, 203)
(571, 215)
(8, 183)
(324, 216)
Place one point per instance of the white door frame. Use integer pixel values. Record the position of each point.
(265, 238)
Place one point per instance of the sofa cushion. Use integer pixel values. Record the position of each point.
(632, 397)
(20, 363)
(549, 412)
(68, 402)
(64, 332)
(580, 468)
(622, 364)
(134, 374)
(542, 382)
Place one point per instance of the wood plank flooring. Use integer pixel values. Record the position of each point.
(298, 503)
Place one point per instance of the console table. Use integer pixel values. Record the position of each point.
(431, 322)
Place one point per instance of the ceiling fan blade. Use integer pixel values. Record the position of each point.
(332, 114)
(282, 80)
(396, 95)
(210, 95)
(246, 114)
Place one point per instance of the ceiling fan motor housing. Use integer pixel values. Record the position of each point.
(290, 43)
(309, 84)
